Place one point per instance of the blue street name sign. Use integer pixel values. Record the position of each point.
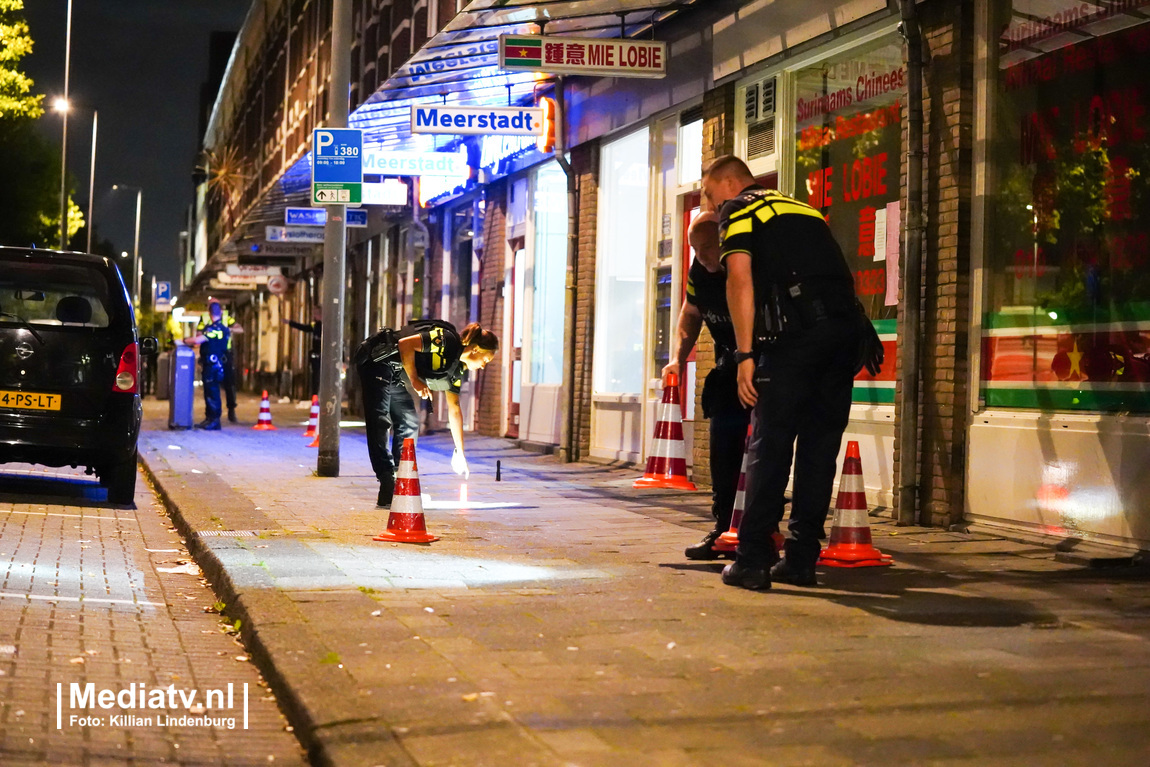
(337, 166)
(318, 217)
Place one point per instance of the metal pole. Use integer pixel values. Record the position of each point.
(909, 491)
(567, 438)
(136, 250)
(64, 145)
(334, 255)
(92, 178)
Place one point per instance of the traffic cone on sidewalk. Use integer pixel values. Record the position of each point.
(265, 420)
(405, 521)
(729, 541)
(667, 464)
(850, 544)
(313, 419)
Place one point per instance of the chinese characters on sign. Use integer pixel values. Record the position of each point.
(583, 56)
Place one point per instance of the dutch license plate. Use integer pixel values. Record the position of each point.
(29, 400)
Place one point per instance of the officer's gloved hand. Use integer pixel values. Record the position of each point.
(459, 464)
(870, 353)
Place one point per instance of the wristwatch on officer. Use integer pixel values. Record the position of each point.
(741, 356)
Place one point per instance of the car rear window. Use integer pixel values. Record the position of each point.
(69, 295)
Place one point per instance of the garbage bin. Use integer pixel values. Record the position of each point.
(182, 388)
(163, 374)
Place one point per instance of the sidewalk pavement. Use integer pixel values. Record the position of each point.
(556, 622)
(100, 594)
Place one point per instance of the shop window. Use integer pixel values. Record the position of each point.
(848, 152)
(690, 159)
(549, 269)
(621, 255)
(1067, 325)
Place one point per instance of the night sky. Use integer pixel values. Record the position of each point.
(141, 64)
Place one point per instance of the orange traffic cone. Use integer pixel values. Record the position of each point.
(314, 442)
(667, 466)
(313, 419)
(405, 522)
(265, 420)
(729, 541)
(850, 544)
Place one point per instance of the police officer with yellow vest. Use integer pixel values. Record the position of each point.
(801, 338)
(229, 381)
(213, 341)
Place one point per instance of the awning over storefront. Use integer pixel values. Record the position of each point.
(460, 65)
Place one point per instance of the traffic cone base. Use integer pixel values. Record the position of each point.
(313, 419)
(666, 465)
(405, 522)
(265, 420)
(850, 544)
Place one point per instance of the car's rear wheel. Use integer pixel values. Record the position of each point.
(120, 479)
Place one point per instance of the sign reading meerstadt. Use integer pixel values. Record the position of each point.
(477, 121)
(583, 56)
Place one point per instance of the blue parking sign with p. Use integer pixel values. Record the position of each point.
(337, 166)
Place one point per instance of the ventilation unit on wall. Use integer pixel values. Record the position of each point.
(759, 117)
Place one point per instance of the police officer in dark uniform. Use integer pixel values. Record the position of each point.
(229, 380)
(213, 343)
(428, 355)
(316, 331)
(798, 328)
(707, 304)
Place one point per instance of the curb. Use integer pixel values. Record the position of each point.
(324, 719)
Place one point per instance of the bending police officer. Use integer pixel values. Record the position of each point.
(707, 304)
(213, 342)
(797, 326)
(430, 355)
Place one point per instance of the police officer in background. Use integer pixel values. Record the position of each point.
(316, 330)
(213, 342)
(428, 355)
(799, 332)
(707, 304)
(229, 381)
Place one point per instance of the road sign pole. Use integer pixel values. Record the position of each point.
(334, 253)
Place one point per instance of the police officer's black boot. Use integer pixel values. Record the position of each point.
(704, 549)
(208, 425)
(798, 565)
(232, 415)
(386, 492)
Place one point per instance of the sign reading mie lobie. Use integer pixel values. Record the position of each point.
(488, 121)
(583, 56)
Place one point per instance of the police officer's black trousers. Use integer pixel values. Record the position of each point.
(804, 386)
(212, 401)
(388, 407)
(728, 420)
(230, 384)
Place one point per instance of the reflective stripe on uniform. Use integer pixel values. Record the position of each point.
(784, 207)
(690, 287)
(733, 252)
(742, 226)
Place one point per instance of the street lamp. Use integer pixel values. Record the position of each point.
(62, 106)
(64, 146)
(136, 245)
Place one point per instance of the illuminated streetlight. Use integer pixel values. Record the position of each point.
(136, 245)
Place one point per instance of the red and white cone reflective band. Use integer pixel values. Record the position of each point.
(667, 463)
(265, 420)
(850, 544)
(313, 419)
(729, 540)
(405, 523)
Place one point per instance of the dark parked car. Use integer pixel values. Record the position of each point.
(69, 366)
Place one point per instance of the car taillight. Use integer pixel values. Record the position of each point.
(126, 372)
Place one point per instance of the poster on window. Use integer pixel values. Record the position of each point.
(848, 138)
